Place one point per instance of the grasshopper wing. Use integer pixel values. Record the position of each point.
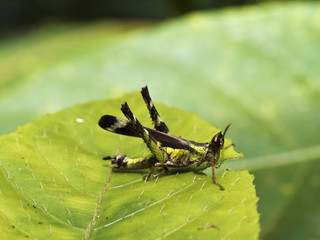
(124, 127)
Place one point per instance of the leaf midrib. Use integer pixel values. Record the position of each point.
(279, 159)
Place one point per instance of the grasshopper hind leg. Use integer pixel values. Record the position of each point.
(152, 144)
(162, 171)
(155, 116)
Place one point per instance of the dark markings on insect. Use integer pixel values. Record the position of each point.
(166, 150)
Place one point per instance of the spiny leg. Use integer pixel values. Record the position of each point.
(225, 147)
(163, 171)
(214, 177)
(210, 157)
(155, 116)
(151, 143)
(165, 165)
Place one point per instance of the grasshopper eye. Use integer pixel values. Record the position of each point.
(222, 141)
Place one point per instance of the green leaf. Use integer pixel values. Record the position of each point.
(54, 183)
(256, 66)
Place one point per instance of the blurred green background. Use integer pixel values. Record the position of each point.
(254, 65)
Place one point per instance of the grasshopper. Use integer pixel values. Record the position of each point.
(166, 150)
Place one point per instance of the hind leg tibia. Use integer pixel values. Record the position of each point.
(155, 116)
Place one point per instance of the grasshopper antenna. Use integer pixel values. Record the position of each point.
(224, 133)
(227, 127)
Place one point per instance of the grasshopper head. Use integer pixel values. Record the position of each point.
(216, 144)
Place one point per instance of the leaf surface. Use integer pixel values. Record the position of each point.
(54, 183)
